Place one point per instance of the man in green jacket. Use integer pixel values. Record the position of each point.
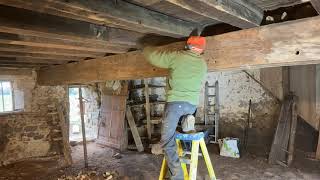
(187, 71)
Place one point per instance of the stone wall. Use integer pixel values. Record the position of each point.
(236, 89)
(30, 131)
(92, 103)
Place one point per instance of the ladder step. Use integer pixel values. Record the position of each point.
(211, 95)
(213, 142)
(211, 86)
(185, 160)
(189, 153)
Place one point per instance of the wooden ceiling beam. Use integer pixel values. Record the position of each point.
(239, 13)
(49, 51)
(118, 14)
(27, 23)
(30, 66)
(316, 5)
(13, 60)
(45, 42)
(283, 44)
(39, 56)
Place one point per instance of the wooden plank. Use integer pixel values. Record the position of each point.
(83, 129)
(15, 72)
(134, 130)
(318, 107)
(12, 60)
(318, 95)
(65, 139)
(305, 76)
(112, 13)
(25, 22)
(239, 13)
(280, 44)
(279, 148)
(147, 107)
(316, 5)
(49, 51)
(39, 56)
(294, 121)
(318, 148)
(146, 2)
(29, 66)
(57, 44)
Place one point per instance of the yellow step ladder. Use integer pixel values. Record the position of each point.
(196, 139)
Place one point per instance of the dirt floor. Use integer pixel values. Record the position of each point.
(140, 166)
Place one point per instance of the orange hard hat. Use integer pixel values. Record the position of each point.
(196, 43)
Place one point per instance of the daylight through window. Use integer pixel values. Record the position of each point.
(6, 97)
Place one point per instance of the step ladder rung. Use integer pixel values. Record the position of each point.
(189, 153)
(211, 95)
(211, 86)
(185, 160)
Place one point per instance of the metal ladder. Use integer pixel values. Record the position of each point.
(211, 108)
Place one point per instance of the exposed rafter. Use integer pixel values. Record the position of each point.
(282, 44)
(47, 42)
(38, 56)
(49, 51)
(239, 13)
(111, 13)
(16, 60)
(19, 24)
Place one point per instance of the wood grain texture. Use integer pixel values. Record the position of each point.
(112, 13)
(49, 51)
(316, 5)
(303, 84)
(134, 130)
(45, 42)
(14, 20)
(239, 13)
(25, 60)
(282, 44)
(39, 56)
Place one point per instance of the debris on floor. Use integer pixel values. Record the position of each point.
(91, 175)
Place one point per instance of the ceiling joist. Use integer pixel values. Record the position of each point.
(31, 41)
(38, 56)
(282, 44)
(239, 13)
(49, 51)
(119, 14)
(13, 60)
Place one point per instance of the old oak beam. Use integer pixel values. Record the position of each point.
(283, 44)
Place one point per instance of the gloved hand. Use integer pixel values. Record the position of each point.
(156, 149)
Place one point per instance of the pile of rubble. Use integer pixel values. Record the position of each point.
(91, 175)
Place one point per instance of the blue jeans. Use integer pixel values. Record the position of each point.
(173, 112)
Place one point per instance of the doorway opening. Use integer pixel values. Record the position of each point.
(90, 113)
